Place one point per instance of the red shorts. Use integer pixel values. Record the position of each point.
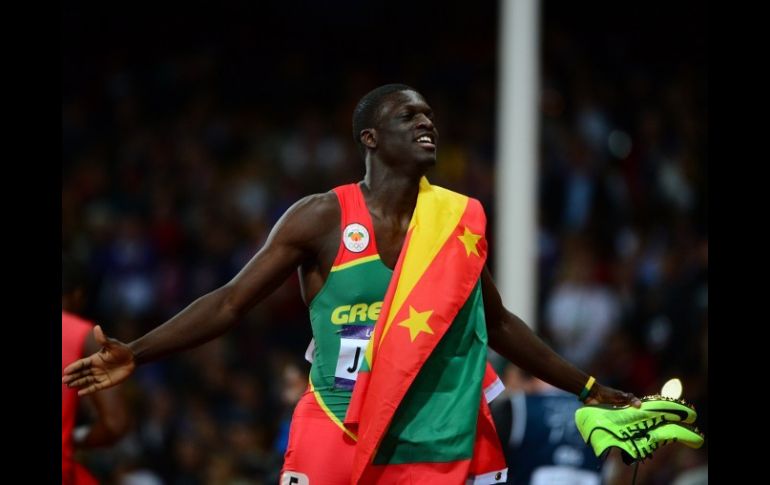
(319, 451)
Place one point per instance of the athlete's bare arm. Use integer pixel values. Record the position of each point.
(513, 339)
(301, 237)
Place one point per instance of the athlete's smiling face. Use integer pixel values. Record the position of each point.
(405, 132)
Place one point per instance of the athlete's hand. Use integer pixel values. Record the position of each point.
(606, 395)
(106, 368)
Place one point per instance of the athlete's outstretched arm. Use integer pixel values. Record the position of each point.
(293, 240)
(514, 340)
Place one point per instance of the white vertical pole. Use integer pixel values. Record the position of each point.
(516, 165)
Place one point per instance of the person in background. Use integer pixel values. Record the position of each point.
(109, 409)
(536, 426)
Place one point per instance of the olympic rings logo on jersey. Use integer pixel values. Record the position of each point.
(355, 237)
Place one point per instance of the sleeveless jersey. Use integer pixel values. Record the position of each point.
(344, 311)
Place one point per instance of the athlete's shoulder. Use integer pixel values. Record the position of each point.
(318, 204)
(310, 217)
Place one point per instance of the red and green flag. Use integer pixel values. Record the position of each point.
(417, 400)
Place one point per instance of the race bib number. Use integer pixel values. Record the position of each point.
(353, 342)
(294, 478)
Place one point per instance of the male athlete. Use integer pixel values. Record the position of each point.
(346, 244)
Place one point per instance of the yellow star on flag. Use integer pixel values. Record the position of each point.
(470, 240)
(417, 322)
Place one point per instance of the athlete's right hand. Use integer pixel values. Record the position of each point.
(106, 368)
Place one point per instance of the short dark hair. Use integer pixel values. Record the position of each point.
(73, 274)
(364, 116)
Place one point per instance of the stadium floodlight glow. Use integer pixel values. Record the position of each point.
(672, 388)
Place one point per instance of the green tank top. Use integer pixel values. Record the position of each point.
(344, 311)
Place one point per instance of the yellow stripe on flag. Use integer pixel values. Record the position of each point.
(435, 217)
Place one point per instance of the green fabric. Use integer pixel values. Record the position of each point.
(361, 288)
(446, 393)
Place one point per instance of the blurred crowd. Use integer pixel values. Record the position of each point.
(174, 171)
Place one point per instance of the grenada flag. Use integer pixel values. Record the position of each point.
(418, 398)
